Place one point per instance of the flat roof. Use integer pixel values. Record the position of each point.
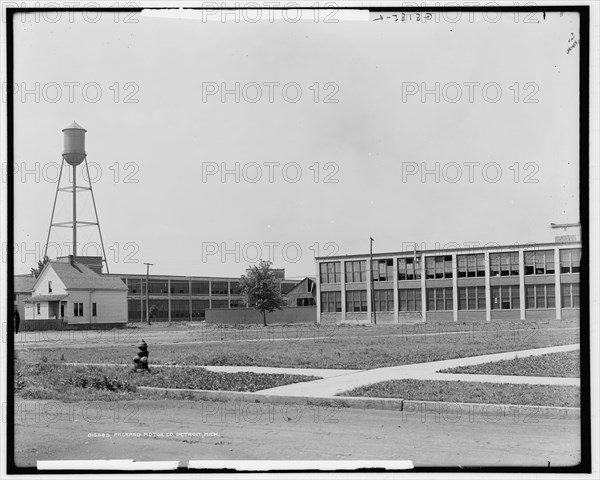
(443, 251)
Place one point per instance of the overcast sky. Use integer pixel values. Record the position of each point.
(159, 134)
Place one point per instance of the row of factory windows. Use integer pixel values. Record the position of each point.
(440, 299)
(540, 262)
(182, 287)
(179, 308)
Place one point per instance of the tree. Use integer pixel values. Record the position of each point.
(261, 289)
(41, 264)
(153, 310)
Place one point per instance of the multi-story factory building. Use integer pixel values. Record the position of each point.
(521, 282)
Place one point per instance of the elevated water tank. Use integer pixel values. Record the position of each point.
(74, 149)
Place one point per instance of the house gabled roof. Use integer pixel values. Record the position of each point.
(76, 276)
(24, 283)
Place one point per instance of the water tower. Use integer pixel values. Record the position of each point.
(74, 155)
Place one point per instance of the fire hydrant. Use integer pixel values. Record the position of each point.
(141, 360)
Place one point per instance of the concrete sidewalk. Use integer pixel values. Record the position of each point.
(425, 371)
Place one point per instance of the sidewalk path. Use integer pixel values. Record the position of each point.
(425, 371)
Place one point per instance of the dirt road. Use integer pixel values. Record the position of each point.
(151, 430)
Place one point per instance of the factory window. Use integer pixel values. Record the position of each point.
(219, 304)
(439, 267)
(471, 265)
(305, 302)
(570, 260)
(504, 264)
(199, 287)
(439, 299)
(384, 300)
(331, 302)
(219, 288)
(199, 308)
(180, 308)
(94, 310)
(179, 287)
(158, 286)
(539, 296)
(539, 262)
(134, 310)
(356, 271)
(50, 286)
(505, 297)
(383, 270)
(471, 298)
(134, 285)
(570, 295)
(409, 300)
(409, 268)
(237, 303)
(330, 272)
(234, 288)
(356, 301)
(78, 309)
(159, 309)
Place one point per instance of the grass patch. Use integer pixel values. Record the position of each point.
(560, 364)
(343, 347)
(472, 392)
(50, 380)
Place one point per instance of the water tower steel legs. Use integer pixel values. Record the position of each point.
(75, 210)
(73, 224)
(96, 214)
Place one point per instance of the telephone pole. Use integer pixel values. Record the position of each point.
(373, 306)
(147, 296)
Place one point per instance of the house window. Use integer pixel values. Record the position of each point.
(383, 270)
(330, 272)
(539, 262)
(39, 309)
(49, 286)
(439, 299)
(356, 301)
(384, 300)
(94, 311)
(78, 309)
(471, 298)
(409, 268)
(539, 296)
(356, 271)
(570, 260)
(331, 302)
(570, 295)
(409, 300)
(505, 297)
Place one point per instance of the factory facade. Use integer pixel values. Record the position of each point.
(184, 298)
(520, 282)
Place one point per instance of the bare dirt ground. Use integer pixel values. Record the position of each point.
(153, 430)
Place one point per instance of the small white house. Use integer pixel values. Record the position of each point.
(68, 294)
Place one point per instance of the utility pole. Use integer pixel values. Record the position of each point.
(147, 297)
(373, 306)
